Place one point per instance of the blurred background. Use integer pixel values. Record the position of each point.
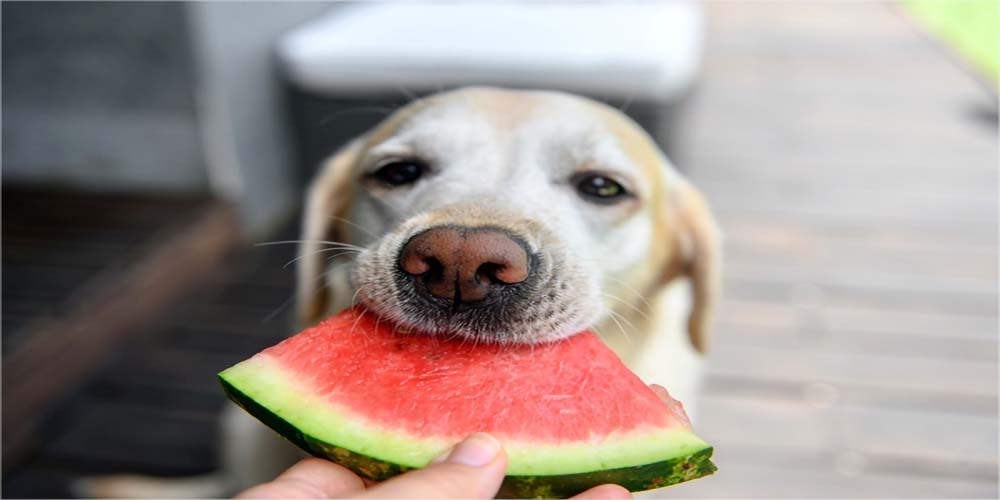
(849, 150)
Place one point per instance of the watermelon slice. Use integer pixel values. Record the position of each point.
(379, 401)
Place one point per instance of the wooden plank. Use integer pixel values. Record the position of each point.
(745, 479)
(36, 482)
(253, 295)
(105, 437)
(19, 249)
(226, 340)
(976, 378)
(823, 165)
(151, 392)
(862, 395)
(861, 249)
(57, 353)
(980, 230)
(866, 206)
(170, 364)
(890, 434)
(805, 251)
(41, 280)
(956, 347)
(782, 230)
(55, 211)
(808, 293)
(827, 318)
(238, 318)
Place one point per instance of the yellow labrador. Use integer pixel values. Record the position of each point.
(501, 216)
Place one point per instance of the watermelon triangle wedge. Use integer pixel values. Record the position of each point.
(360, 392)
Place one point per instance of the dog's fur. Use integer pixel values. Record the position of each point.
(642, 272)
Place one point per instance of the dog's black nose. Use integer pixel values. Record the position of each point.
(464, 264)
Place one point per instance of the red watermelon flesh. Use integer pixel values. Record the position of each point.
(570, 415)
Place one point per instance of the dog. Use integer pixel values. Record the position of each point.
(500, 216)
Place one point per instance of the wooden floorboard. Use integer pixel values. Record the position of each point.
(152, 407)
(856, 347)
(55, 243)
(58, 352)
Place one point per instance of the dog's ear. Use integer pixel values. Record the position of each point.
(696, 255)
(327, 203)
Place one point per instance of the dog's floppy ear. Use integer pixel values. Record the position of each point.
(696, 255)
(327, 203)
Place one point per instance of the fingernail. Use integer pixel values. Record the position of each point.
(477, 450)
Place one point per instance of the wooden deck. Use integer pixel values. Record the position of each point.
(152, 407)
(82, 272)
(853, 167)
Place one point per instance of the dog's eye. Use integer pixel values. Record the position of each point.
(399, 173)
(600, 188)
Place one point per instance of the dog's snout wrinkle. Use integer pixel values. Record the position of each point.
(464, 264)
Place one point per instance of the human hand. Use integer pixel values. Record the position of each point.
(474, 468)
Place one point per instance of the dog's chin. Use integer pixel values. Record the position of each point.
(552, 305)
(472, 323)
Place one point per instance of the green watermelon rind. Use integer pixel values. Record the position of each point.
(636, 478)
(252, 382)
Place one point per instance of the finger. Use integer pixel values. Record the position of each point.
(310, 478)
(474, 468)
(605, 492)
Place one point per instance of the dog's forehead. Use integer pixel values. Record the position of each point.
(499, 115)
(522, 117)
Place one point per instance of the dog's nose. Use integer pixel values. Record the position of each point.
(464, 264)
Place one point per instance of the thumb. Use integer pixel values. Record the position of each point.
(474, 468)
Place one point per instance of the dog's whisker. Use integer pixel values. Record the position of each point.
(287, 302)
(598, 331)
(623, 318)
(604, 335)
(343, 251)
(628, 103)
(627, 304)
(354, 326)
(631, 289)
(294, 242)
(621, 328)
(278, 310)
(285, 242)
(354, 298)
(358, 319)
(378, 320)
(596, 259)
(409, 93)
(354, 225)
(387, 75)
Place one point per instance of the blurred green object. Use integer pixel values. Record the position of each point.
(971, 27)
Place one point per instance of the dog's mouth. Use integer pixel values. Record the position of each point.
(493, 310)
(498, 292)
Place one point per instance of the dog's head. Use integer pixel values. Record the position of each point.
(504, 216)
